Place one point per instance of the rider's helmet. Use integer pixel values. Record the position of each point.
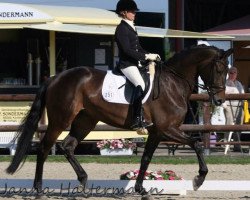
(125, 5)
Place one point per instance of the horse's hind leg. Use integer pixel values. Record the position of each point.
(81, 126)
(179, 136)
(151, 144)
(43, 151)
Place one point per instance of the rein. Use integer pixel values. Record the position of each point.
(210, 87)
(156, 90)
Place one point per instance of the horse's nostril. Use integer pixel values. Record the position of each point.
(218, 102)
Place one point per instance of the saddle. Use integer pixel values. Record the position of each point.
(118, 89)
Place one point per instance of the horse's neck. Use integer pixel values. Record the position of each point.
(185, 64)
(186, 72)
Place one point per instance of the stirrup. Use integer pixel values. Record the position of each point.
(145, 124)
(135, 126)
(140, 124)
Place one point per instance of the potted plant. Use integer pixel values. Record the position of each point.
(116, 147)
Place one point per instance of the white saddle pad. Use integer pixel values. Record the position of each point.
(113, 92)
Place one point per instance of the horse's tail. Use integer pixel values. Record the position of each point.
(27, 129)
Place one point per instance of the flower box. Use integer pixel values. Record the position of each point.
(116, 152)
(115, 147)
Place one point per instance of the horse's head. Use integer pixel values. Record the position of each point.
(214, 72)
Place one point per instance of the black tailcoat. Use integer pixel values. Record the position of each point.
(130, 50)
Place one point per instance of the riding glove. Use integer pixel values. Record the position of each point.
(152, 56)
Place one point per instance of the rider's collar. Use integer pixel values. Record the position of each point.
(130, 23)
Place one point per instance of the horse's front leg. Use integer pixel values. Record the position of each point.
(179, 136)
(203, 170)
(151, 145)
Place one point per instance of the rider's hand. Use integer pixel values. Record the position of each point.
(152, 57)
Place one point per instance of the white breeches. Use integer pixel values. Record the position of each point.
(134, 76)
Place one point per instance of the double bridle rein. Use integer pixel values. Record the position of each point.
(209, 87)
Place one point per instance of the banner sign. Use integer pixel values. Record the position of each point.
(14, 13)
(13, 111)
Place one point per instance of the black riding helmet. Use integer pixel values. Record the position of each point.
(125, 5)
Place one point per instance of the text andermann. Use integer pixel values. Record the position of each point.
(16, 14)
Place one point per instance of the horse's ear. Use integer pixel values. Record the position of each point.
(228, 53)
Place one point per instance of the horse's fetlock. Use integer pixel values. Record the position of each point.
(37, 187)
(138, 188)
(83, 177)
(203, 172)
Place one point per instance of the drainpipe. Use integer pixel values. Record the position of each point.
(30, 69)
(52, 53)
(179, 16)
(38, 70)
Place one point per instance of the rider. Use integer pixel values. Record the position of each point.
(130, 55)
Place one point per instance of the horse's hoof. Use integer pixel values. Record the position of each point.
(83, 182)
(41, 197)
(147, 197)
(83, 186)
(197, 182)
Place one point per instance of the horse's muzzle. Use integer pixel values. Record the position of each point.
(217, 101)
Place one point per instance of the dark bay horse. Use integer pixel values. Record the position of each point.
(73, 98)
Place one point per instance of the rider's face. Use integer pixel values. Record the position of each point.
(130, 15)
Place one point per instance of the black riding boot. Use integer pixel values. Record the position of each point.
(138, 119)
